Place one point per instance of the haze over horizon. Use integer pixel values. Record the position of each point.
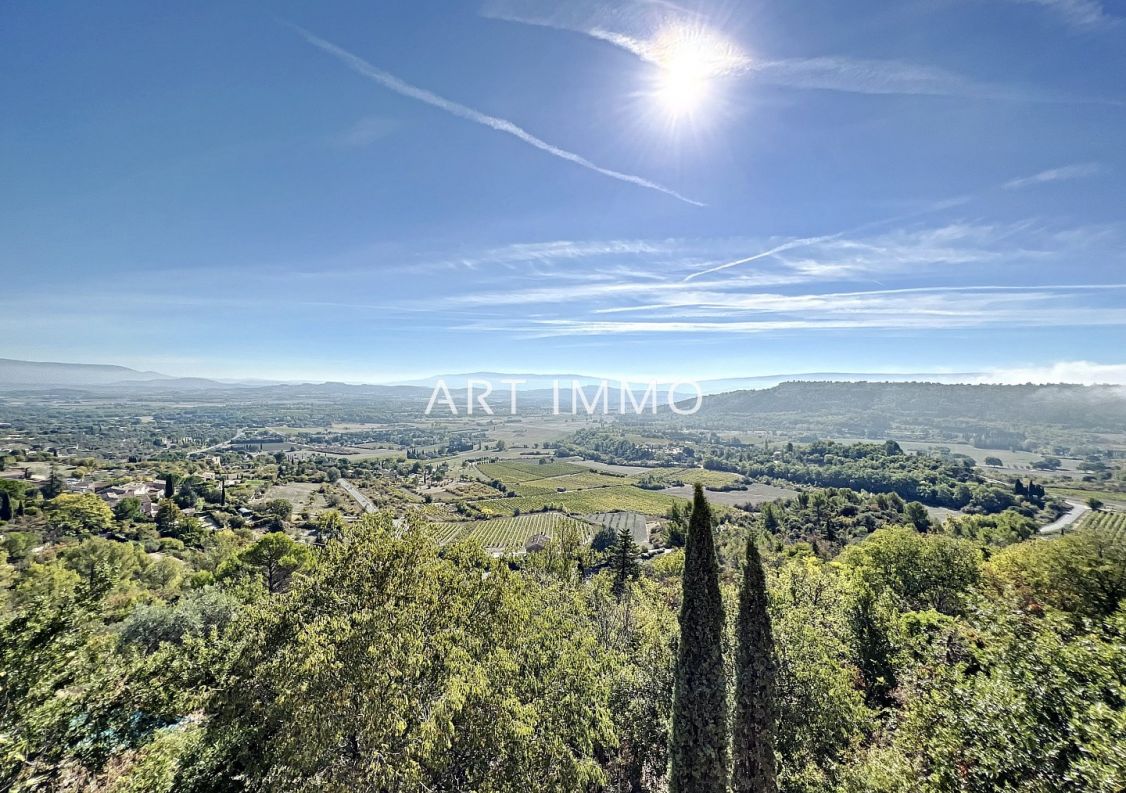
(14, 372)
(633, 189)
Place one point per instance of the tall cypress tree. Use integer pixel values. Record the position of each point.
(753, 740)
(698, 742)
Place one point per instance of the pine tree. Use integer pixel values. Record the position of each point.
(698, 741)
(752, 740)
(624, 564)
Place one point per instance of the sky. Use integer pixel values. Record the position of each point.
(367, 191)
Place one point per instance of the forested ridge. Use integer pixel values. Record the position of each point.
(1066, 405)
(878, 467)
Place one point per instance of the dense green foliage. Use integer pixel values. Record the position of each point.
(956, 658)
(876, 467)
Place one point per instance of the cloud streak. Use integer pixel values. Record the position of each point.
(647, 30)
(920, 309)
(1064, 174)
(393, 83)
(1084, 372)
(785, 246)
(1078, 14)
(651, 29)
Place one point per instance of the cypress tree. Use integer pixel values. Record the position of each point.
(752, 740)
(53, 486)
(5, 505)
(698, 753)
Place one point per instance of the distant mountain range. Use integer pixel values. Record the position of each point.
(840, 401)
(45, 373)
(540, 382)
(1066, 405)
(18, 375)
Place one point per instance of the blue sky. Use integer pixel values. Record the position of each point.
(365, 191)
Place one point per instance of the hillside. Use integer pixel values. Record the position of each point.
(1086, 407)
(15, 373)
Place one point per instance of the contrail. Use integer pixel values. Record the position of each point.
(779, 249)
(937, 206)
(393, 83)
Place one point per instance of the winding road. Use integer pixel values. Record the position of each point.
(1057, 526)
(355, 493)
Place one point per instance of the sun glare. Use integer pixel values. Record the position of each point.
(689, 60)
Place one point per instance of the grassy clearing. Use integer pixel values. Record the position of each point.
(463, 491)
(512, 534)
(1109, 496)
(600, 499)
(247, 488)
(304, 496)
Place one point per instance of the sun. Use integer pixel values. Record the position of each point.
(682, 90)
(689, 60)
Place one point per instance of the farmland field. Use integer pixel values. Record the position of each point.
(511, 472)
(614, 468)
(754, 494)
(1114, 521)
(580, 481)
(599, 499)
(511, 533)
(616, 521)
(689, 476)
(1109, 496)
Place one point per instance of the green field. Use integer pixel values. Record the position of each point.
(511, 533)
(599, 499)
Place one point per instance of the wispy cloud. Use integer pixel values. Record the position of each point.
(938, 308)
(868, 76)
(649, 31)
(773, 251)
(393, 83)
(1063, 174)
(557, 251)
(849, 253)
(365, 132)
(1082, 372)
(629, 294)
(1078, 14)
